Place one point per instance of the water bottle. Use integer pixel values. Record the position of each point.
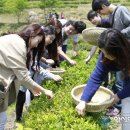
(104, 122)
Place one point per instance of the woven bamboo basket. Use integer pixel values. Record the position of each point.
(58, 71)
(91, 35)
(100, 101)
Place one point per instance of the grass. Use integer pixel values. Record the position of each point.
(11, 109)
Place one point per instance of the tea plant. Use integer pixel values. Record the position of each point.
(60, 114)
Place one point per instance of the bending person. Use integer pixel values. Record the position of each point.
(114, 56)
(15, 61)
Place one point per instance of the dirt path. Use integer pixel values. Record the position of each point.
(10, 125)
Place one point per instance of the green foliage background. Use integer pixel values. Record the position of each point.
(60, 114)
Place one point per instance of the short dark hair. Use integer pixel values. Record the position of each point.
(91, 14)
(97, 4)
(78, 25)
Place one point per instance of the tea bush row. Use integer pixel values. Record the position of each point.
(60, 114)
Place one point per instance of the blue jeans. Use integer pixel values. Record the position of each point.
(125, 114)
(3, 119)
(64, 49)
(119, 80)
(118, 86)
(43, 65)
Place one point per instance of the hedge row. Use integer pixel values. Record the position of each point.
(60, 114)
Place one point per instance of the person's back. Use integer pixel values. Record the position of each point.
(7, 55)
(120, 19)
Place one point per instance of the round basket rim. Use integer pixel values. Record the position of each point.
(93, 104)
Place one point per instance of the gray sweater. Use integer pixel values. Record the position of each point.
(121, 20)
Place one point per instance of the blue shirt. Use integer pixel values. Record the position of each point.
(104, 23)
(97, 78)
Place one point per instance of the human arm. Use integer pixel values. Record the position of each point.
(13, 58)
(47, 61)
(92, 86)
(26, 81)
(62, 54)
(18, 66)
(43, 74)
(125, 92)
(75, 44)
(75, 49)
(92, 52)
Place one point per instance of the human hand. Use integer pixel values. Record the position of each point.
(80, 108)
(36, 92)
(72, 62)
(49, 94)
(75, 53)
(57, 78)
(87, 60)
(50, 61)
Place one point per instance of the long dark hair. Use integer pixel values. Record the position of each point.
(57, 24)
(116, 45)
(28, 32)
(48, 30)
(52, 48)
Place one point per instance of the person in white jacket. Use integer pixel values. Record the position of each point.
(15, 57)
(38, 76)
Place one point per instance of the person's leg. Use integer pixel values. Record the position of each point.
(118, 86)
(64, 48)
(3, 119)
(125, 114)
(29, 97)
(19, 104)
(119, 80)
(21, 97)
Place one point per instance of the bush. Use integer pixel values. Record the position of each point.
(59, 114)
